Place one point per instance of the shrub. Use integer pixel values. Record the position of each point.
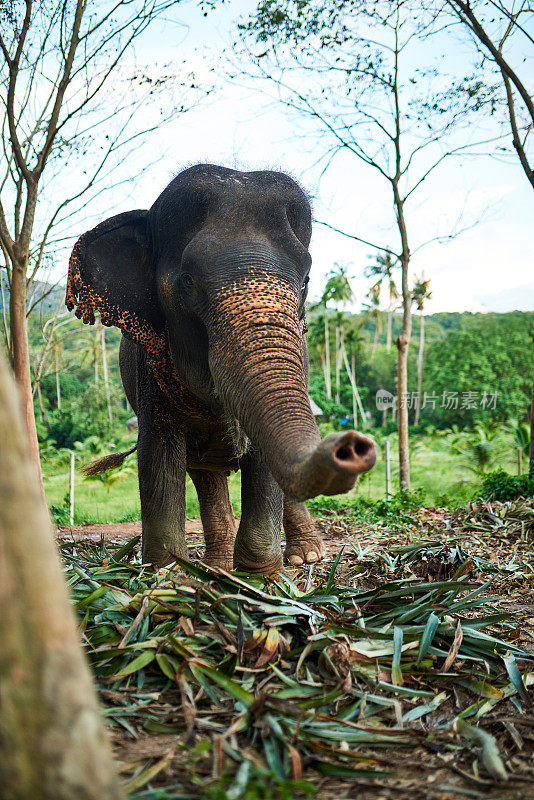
(391, 511)
(499, 485)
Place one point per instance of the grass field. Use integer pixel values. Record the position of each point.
(433, 468)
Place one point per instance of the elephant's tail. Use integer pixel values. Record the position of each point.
(108, 462)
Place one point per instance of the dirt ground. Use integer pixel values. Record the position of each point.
(420, 772)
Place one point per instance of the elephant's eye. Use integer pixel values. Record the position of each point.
(186, 281)
(305, 283)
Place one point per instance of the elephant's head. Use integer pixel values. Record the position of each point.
(217, 271)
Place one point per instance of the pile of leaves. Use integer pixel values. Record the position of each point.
(509, 518)
(225, 686)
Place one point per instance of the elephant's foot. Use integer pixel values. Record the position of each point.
(163, 552)
(218, 521)
(220, 545)
(224, 559)
(304, 543)
(304, 549)
(258, 563)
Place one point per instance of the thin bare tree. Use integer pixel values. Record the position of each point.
(502, 31)
(353, 70)
(69, 120)
(53, 739)
(105, 375)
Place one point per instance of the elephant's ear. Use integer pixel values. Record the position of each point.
(110, 271)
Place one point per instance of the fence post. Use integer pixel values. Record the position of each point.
(388, 468)
(71, 490)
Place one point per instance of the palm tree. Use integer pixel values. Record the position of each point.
(373, 310)
(318, 336)
(478, 449)
(353, 340)
(420, 294)
(383, 267)
(339, 291)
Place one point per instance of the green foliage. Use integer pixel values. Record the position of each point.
(389, 511)
(499, 485)
(487, 357)
(520, 435)
(83, 414)
(481, 353)
(252, 782)
(60, 515)
(478, 448)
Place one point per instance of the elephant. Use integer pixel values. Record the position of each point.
(208, 288)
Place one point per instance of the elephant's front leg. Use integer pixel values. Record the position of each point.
(304, 544)
(161, 458)
(217, 517)
(258, 543)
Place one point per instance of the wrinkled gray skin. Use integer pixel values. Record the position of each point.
(223, 277)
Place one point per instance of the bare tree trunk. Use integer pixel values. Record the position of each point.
(403, 343)
(338, 363)
(420, 368)
(95, 353)
(531, 448)
(375, 340)
(352, 379)
(4, 317)
(21, 362)
(323, 364)
(37, 386)
(53, 741)
(58, 385)
(44, 351)
(328, 383)
(354, 412)
(105, 374)
(388, 337)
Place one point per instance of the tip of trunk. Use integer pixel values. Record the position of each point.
(333, 466)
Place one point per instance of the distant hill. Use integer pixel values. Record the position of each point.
(47, 305)
(437, 325)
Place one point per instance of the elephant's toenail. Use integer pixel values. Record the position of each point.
(296, 561)
(311, 557)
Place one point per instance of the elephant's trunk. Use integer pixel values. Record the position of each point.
(257, 363)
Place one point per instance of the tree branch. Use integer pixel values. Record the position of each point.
(356, 238)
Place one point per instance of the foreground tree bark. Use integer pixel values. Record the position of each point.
(52, 740)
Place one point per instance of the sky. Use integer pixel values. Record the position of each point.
(489, 267)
